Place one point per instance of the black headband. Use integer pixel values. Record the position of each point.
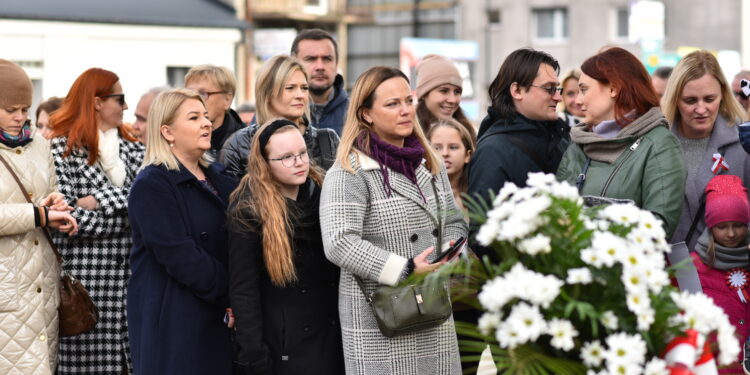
(269, 130)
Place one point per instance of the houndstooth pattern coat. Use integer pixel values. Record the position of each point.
(372, 235)
(98, 255)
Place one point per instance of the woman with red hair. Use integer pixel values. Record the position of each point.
(96, 161)
(623, 148)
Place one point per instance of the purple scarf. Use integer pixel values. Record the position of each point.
(404, 160)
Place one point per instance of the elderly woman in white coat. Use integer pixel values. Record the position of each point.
(386, 209)
(703, 115)
(29, 273)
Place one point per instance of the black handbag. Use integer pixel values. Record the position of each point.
(410, 308)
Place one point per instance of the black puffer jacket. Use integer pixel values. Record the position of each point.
(232, 123)
(321, 144)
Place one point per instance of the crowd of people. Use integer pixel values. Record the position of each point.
(213, 241)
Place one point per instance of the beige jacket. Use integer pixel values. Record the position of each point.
(29, 273)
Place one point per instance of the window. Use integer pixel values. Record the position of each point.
(176, 76)
(622, 28)
(493, 17)
(550, 24)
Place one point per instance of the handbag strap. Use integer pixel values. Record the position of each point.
(361, 283)
(582, 176)
(26, 195)
(696, 219)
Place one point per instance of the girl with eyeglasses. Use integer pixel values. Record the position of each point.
(623, 149)
(96, 160)
(283, 290)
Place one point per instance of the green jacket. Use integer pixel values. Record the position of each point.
(642, 163)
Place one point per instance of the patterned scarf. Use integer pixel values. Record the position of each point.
(404, 160)
(22, 139)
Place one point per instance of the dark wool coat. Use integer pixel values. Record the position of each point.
(97, 255)
(292, 329)
(177, 294)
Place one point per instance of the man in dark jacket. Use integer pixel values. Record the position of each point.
(319, 54)
(521, 132)
(216, 85)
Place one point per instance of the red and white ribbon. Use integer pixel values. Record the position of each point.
(737, 279)
(719, 163)
(684, 358)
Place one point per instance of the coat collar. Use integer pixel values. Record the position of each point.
(223, 184)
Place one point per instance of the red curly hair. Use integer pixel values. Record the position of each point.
(76, 119)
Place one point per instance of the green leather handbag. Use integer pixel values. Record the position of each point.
(408, 308)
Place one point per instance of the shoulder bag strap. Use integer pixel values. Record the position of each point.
(26, 195)
(696, 219)
(521, 145)
(582, 176)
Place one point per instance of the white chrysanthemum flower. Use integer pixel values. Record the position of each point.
(501, 212)
(517, 227)
(591, 257)
(632, 257)
(535, 245)
(728, 343)
(532, 208)
(496, 293)
(624, 214)
(541, 289)
(592, 372)
(592, 354)
(488, 322)
(564, 190)
(579, 276)
(609, 320)
(656, 277)
(540, 180)
(528, 321)
(638, 302)
(656, 366)
(488, 232)
(507, 190)
(634, 280)
(625, 348)
(608, 247)
(622, 368)
(645, 319)
(643, 239)
(507, 336)
(562, 332)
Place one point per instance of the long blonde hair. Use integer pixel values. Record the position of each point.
(693, 66)
(363, 96)
(163, 112)
(258, 201)
(269, 84)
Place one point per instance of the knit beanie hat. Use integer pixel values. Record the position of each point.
(436, 70)
(15, 85)
(726, 200)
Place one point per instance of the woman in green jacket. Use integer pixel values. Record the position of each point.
(623, 148)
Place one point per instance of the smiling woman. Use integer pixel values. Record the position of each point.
(178, 289)
(703, 113)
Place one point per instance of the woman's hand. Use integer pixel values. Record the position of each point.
(62, 221)
(87, 203)
(56, 201)
(421, 265)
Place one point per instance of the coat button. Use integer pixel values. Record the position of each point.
(31, 195)
(414, 237)
(435, 232)
(204, 236)
(303, 291)
(38, 290)
(306, 328)
(36, 242)
(42, 337)
(120, 259)
(333, 322)
(18, 151)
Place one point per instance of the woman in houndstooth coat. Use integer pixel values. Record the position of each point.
(386, 203)
(98, 183)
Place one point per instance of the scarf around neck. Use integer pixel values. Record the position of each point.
(22, 139)
(404, 160)
(727, 258)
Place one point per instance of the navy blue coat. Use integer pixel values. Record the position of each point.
(178, 290)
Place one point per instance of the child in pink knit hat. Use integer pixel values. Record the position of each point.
(721, 255)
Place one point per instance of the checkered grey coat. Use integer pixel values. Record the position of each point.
(372, 235)
(98, 255)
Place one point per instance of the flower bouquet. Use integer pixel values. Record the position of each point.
(583, 290)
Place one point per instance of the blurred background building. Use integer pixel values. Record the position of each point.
(154, 42)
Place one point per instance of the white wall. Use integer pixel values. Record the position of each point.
(138, 54)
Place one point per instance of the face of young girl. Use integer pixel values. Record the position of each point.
(729, 233)
(447, 142)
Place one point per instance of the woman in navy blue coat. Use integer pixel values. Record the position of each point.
(178, 290)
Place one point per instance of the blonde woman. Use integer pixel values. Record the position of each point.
(281, 90)
(284, 291)
(703, 114)
(386, 213)
(178, 291)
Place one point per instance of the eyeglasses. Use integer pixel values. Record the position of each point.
(205, 95)
(120, 98)
(551, 90)
(290, 160)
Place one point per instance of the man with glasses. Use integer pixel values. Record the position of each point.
(743, 74)
(522, 132)
(216, 85)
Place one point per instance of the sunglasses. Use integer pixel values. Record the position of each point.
(120, 98)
